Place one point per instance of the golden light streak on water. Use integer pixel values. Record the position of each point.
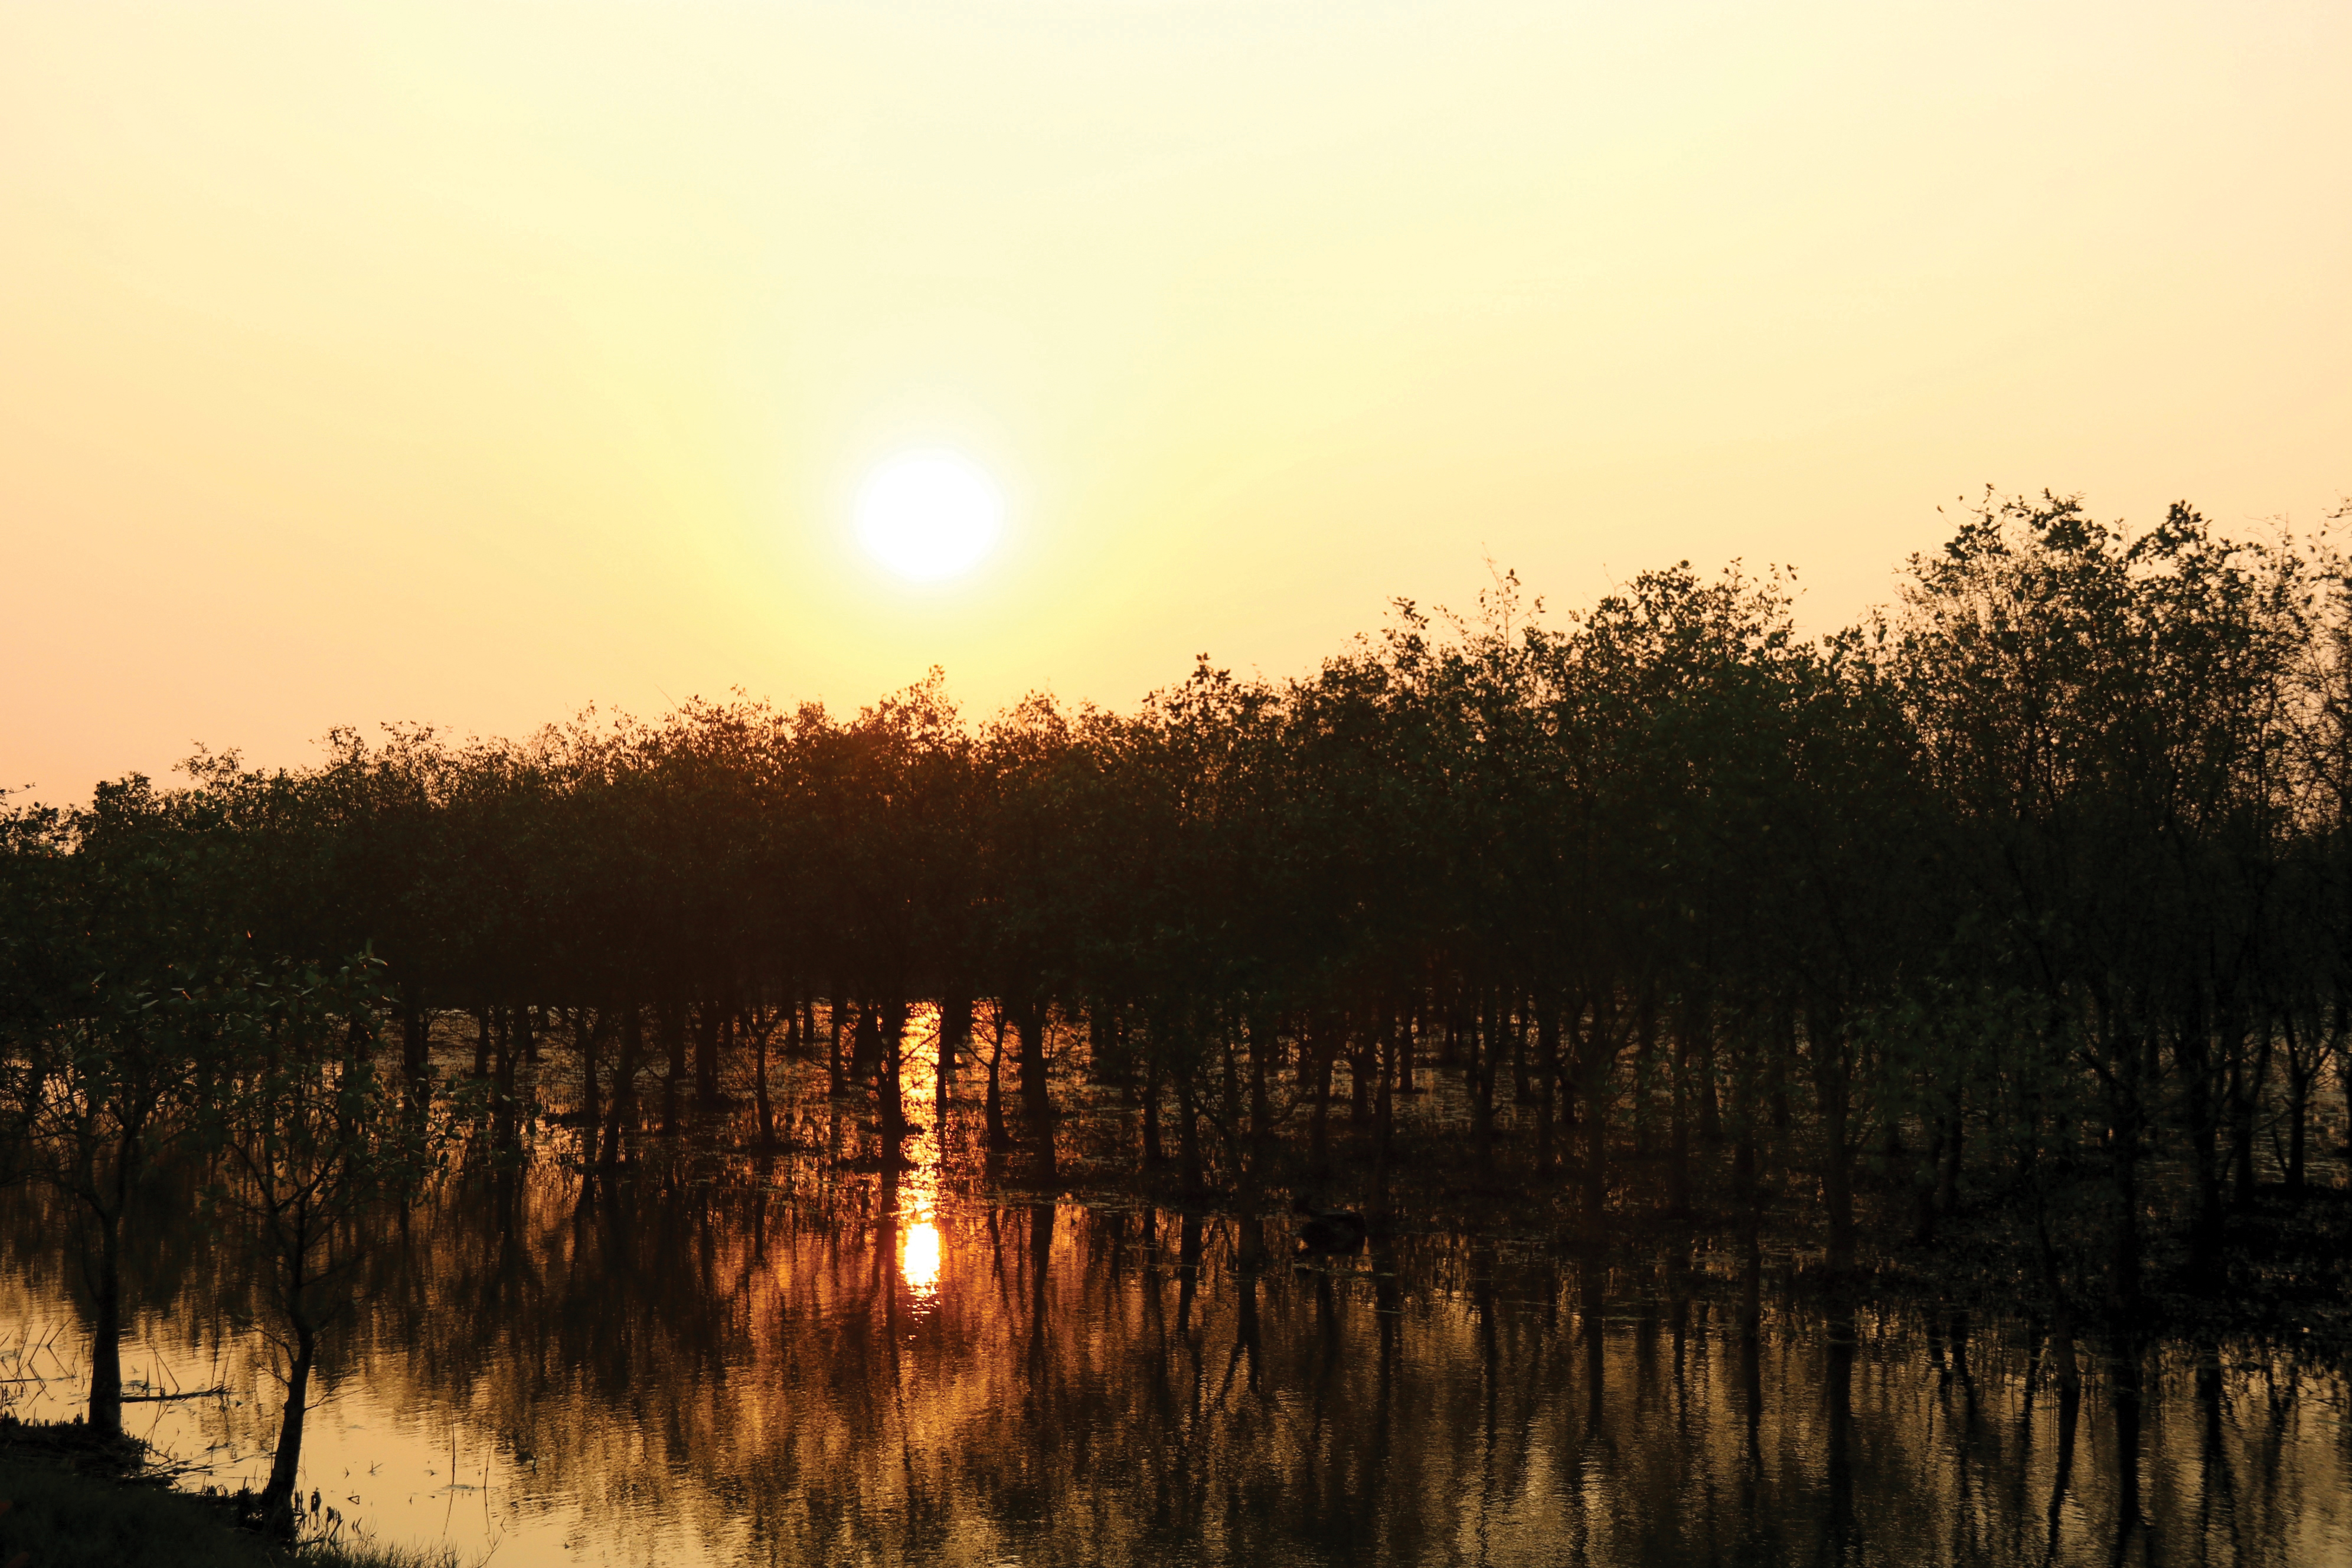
(919, 1261)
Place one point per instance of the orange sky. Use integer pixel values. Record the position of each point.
(469, 364)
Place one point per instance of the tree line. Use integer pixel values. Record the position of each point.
(2032, 885)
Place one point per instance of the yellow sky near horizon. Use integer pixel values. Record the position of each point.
(469, 364)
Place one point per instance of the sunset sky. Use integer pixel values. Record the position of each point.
(471, 363)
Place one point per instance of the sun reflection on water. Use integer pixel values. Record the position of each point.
(918, 1260)
(919, 1190)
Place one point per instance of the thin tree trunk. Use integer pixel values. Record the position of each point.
(1152, 1156)
(412, 1037)
(583, 1037)
(1547, 1075)
(277, 1501)
(836, 1079)
(998, 1141)
(893, 1119)
(1955, 1127)
(1397, 1041)
(625, 1084)
(671, 1016)
(1036, 1093)
(1595, 1052)
(710, 1017)
(1482, 1038)
(1678, 1129)
(760, 1085)
(1188, 1139)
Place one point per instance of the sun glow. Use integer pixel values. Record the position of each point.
(930, 515)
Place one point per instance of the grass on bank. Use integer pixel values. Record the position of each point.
(67, 1502)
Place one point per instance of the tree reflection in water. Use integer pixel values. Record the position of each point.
(730, 1358)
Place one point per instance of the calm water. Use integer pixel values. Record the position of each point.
(727, 1361)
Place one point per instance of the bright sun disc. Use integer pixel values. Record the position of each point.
(929, 515)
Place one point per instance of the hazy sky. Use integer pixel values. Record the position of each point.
(469, 364)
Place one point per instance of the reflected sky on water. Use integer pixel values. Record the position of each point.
(724, 1359)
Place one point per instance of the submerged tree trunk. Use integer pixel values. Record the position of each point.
(625, 1084)
(1547, 1075)
(893, 1119)
(955, 1033)
(998, 1141)
(2248, 1078)
(709, 1018)
(277, 1502)
(584, 1034)
(508, 1131)
(106, 1328)
(1322, 1051)
(1408, 1022)
(1596, 1051)
(1483, 1038)
(836, 1079)
(671, 1017)
(1831, 1045)
(1188, 1137)
(1036, 1093)
(1678, 1128)
(760, 1083)
(412, 1038)
(1383, 1129)
(2123, 1269)
(1152, 1154)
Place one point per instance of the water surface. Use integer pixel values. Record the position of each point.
(726, 1359)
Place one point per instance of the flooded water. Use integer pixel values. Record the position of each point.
(730, 1360)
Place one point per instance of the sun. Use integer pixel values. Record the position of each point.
(930, 515)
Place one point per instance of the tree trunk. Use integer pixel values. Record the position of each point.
(1678, 1129)
(2298, 1109)
(760, 1085)
(1595, 1052)
(837, 1080)
(285, 1466)
(671, 1016)
(893, 1119)
(412, 1036)
(1481, 1038)
(1547, 1075)
(1188, 1138)
(2123, 1270)
(1830, 1045)
(998, 1141)
(2204, 1144)
(1710, 1102)
(709, 1018)
(955, 1033)
(106, 1330)
(1384, 1125)
(1411, 1020)
(1947, 1179)
(625, 1084)
(509, 1131)
(1036, 1095)
(1321, 1051)
(2248, 1081)
(583, 1036)
(1152, 1155)
(1751, 1214)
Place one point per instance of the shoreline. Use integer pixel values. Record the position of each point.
(70, 1498)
